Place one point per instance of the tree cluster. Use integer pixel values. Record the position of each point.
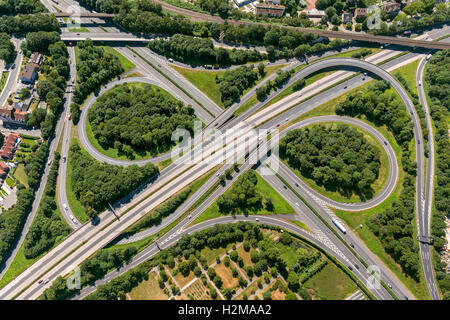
(11, 220)
(283, 76)
(233, 83)
(201, 51)
(244, 196)
(95, 68)
(48, 225)
(21, 6)
(28, 23)
(91, 270)
(51, 89)
(339, 158)
(133, 119)
(438, 79)
(39, 41)
(96, 184)
(7, 49)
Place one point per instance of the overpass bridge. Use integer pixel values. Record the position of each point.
(83, 15)
(104, 36)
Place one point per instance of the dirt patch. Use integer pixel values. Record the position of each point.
(226, 275)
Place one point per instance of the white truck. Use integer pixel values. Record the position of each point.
(339, 225)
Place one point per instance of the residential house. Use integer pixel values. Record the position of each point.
(241, 3)
(391, 8)
(314, 13)
(4, 169)
(29, 73)
(10, 114)
(269, 9)
(361, 13)
(347, 17)
(9, 146)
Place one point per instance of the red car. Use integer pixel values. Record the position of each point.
(40, 281)
(78, 34)
(278, 124)
(69, 117)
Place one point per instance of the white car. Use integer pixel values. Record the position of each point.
(257, 219)
(170, 60)
(420, 82)
(65, 207)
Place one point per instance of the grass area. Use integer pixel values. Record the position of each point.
(10, 182)
(210, 254)
(79, 29)
(331, 283)
(299, 224)
(3, 80)
(376, 186)
(126, 64)
(148, 289)
(19, 174)
(74, 203)
(280, 205)
(20, 262)
(205, 81)
(409, 72)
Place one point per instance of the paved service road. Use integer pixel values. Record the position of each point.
(424, 224)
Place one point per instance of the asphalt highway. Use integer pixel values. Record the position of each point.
(423, 225)
(99, 239)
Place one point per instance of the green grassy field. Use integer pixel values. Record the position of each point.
(280, 205)
(20, 175)
(205, 81)
(78, 29)
(331, 283)
(3, 80)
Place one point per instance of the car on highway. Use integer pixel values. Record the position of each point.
(389, 285)
(345, 87)
(49, 162)
(365, 73)
(189, 216)
(278, 124)
(296, 184)
(257, 219)
(73, 219)
(420, 82)
(46, 281)
(78, 34)
(68, 117)
(65, 207)
(364, 78)
(429, 56)
(356, 266)
(64, 158)
(170, 60)
(40, 281)
(352, 245)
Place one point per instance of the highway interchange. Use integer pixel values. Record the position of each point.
(72, 252)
